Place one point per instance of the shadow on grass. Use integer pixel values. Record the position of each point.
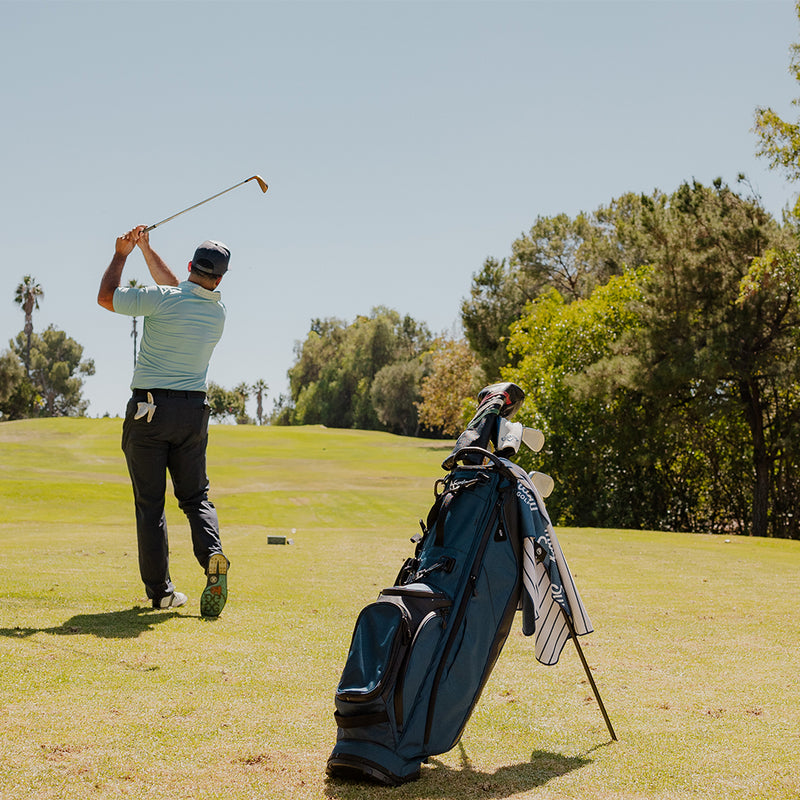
(126, 624)
(438, 780)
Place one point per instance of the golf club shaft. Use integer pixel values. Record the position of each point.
(254, 178)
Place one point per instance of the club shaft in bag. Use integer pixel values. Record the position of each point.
(589, 675)
(257, 178)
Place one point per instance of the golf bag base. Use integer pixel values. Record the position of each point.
(355, 766)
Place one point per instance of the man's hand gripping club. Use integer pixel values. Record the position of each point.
(123, 247)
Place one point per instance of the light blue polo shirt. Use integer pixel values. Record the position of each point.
(182, 325)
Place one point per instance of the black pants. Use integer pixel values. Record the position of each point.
(174, 440)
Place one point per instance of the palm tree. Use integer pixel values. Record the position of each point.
(133, 283)
(27, 297)
(259, 389)
(242, 391)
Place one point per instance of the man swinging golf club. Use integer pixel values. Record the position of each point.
(166, 420)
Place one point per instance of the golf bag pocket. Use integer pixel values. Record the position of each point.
(396, 632)
(380, 633)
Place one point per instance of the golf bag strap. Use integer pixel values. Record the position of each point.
(465, 452)
(438, 512)
(441, 512)
(360, 720)
(436, 515)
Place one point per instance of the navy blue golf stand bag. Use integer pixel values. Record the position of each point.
(422, 652)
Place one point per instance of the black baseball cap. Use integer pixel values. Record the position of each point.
(211, 258)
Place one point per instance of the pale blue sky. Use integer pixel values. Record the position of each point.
(404, 142)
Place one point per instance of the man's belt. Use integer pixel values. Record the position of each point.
(142, 393)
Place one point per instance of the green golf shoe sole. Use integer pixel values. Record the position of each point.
(214, 596)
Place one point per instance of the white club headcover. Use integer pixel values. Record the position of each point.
(148, 408)
(509, 435)
(512, 434)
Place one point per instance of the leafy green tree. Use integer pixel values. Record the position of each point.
(11, 373)
(774, 277)
(27, 297)
(497, 298)
(570, 255)
(282, 410)
(598, 446)
(226, 405)
(554, 254)
(336, 366)
(706, 377)
(394, 394)
(57, 371)
(724, 364)
(16, 393)
(453, 382)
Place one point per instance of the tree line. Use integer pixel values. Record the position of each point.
(658, 342)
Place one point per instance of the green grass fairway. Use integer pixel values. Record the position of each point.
(695, 649)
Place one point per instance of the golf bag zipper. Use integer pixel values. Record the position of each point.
(469, 592)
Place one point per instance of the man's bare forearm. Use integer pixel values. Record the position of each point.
(113, 274)
(110, 281)
(159, 271)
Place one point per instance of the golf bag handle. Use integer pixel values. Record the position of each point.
(479, 451)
